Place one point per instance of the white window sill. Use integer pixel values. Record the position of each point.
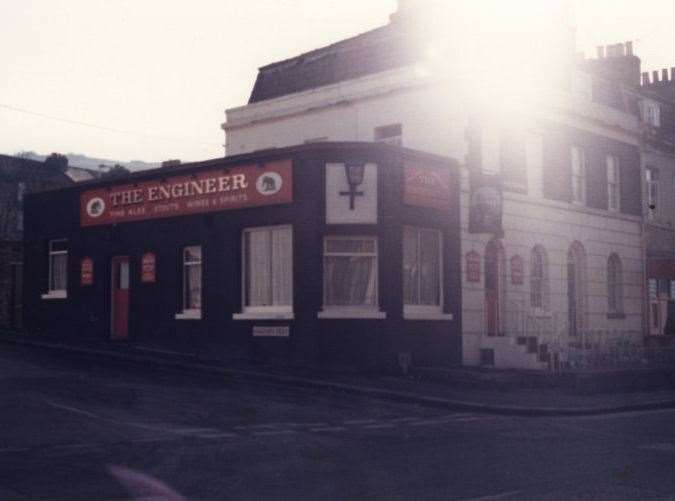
(55, 295)
(413, 313)
(264, 315)
(347, 313)
(189, 315)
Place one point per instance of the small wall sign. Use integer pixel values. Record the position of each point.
(425, 186)
(472, 266)
(148, 268)
(271, 331)
(517, 270)
(87, 272)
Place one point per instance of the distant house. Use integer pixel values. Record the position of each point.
(17, 177)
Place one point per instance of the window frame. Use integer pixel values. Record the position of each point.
(581, 175)
(613, 185)
(412, 311)
(190, 313)
(280, 312)
(56, 293)
(351, 311)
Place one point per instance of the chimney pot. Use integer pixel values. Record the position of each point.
(664, 75)
(601, 52)
(655, 75)
(629, 48)
(672, 74)
(645, 78)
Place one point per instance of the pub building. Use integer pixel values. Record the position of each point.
(327, 254)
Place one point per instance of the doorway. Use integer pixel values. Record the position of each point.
(495, 282)
(576, 287)
(119, 311)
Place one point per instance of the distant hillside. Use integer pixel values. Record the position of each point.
(79, 160)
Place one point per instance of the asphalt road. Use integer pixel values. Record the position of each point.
(77, 428)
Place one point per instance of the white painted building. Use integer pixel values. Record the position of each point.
(571, 209)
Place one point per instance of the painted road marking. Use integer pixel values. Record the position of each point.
(270, 433)
(220, 435)
(328, 429)
(663, 447)
(379, 426)
(360, 421)
(73, 409)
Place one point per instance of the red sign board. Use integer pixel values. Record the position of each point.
(472, 266)
(214, 190)
(87, 272)
(517, 270)
(425, 186)
(148, 267)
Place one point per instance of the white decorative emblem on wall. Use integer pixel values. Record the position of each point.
(95, 207)
(268, 183)
(351, 193)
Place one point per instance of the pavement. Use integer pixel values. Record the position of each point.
(486, 398)
(78, 426)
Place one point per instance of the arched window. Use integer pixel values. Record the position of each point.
(539, 291)
(614, 284)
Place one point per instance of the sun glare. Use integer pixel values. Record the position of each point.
(495, 51)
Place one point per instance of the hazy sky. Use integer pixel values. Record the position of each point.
(165, 71)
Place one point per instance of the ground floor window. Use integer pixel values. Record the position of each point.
(350, 272)
(192, 278)
(58, 266)
(422, 251)
(268, 269)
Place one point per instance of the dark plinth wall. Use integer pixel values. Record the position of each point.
(85, 313)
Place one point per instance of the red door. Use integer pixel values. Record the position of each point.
(120, 298)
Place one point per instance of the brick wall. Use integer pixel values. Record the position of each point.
(10, 253)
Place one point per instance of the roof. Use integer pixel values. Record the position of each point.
(261, 156)
(375, 51)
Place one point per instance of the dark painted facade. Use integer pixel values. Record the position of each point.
(367, 343)
(18, 176)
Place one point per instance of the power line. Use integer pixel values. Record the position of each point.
(102, 127)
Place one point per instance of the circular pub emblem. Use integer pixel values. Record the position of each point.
(95, 207)
(268, 183)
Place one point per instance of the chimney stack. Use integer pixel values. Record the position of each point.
(664, 75)
(629, 48)
(655, 75)
(645, 78)
(672, 74)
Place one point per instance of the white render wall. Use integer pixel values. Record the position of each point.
(435, 120)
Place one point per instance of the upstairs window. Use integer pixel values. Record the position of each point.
(513, 158)
(652, 185)
(651, 113)
(578, 175)
(613, 184)
(390, 134)
(58, 266)
(192, 279)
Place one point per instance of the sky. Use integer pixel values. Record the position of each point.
(152, 78)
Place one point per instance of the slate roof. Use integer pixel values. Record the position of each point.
(377, 50)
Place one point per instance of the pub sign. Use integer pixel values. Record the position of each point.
(215, 190)
(485, 204)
